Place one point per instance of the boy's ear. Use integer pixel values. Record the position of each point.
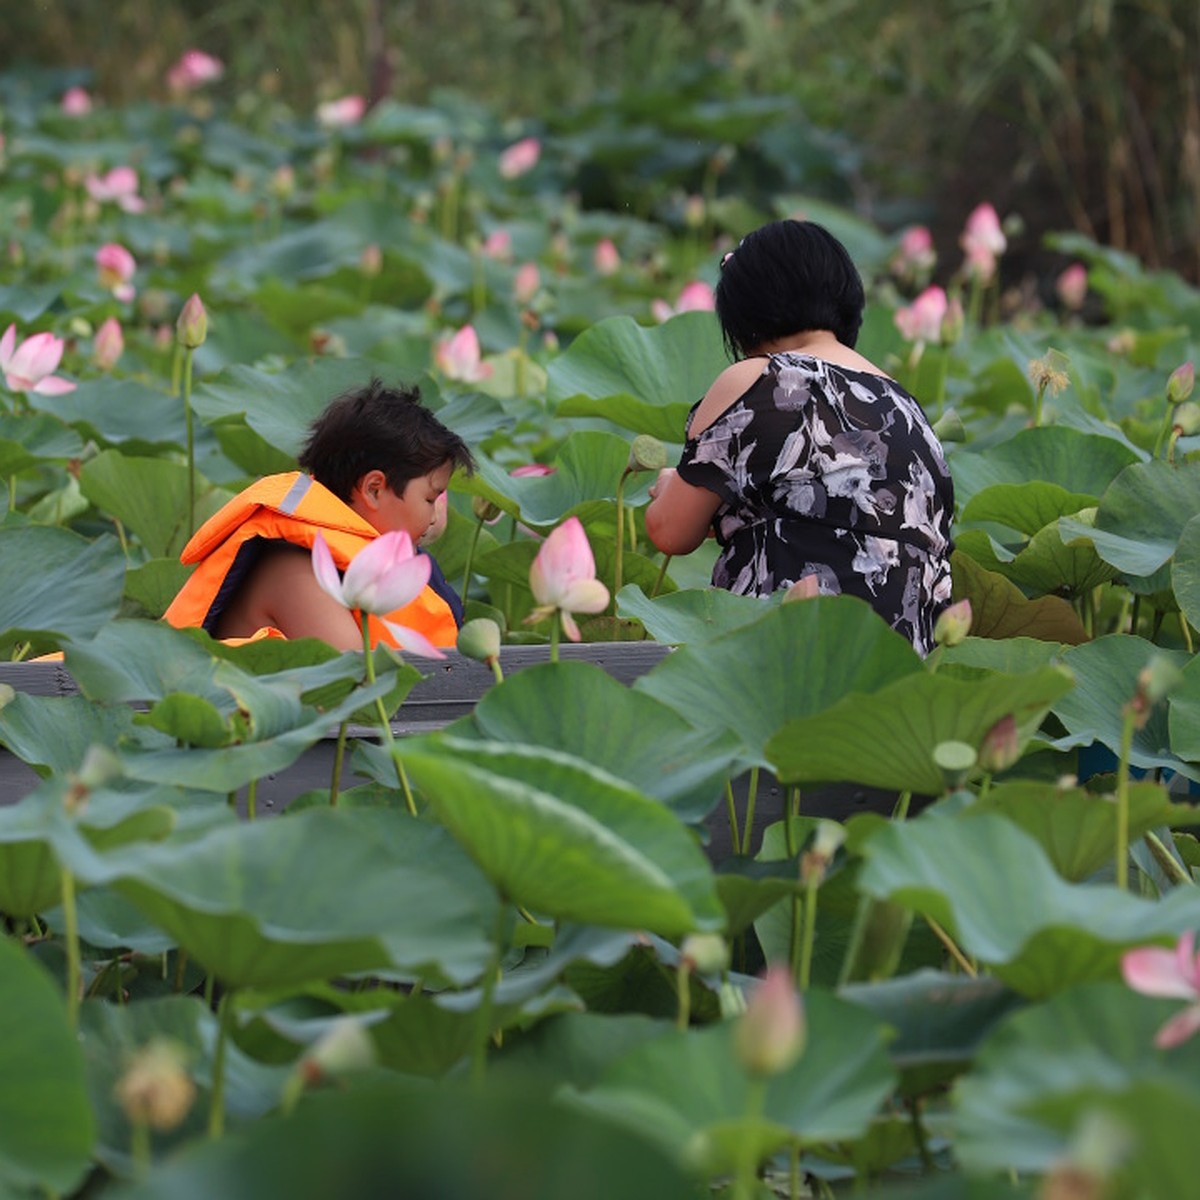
(370, 486)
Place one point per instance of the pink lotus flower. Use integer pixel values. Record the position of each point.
(458, 357)
(30, 366)
(76, 102)
(921, 321)
(915, 256)
(526, 283)
(498, 245)
(385, 575)
(605, 258)
(193, 70)
(116, 266)
(519, 158)
(1072, 286)
(1154, 971)
(337, 114)
(120, 186)
(108, 345)
(983, 242)
(771, 1033)
(563, 578)
(531, 469)
(696, 296)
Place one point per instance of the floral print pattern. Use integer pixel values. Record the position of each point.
(829, 471)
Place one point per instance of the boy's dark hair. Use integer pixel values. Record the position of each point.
(788, 277)
(379, 428)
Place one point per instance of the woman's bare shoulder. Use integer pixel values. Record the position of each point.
(728, 387)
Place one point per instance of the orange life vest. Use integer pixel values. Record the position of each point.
(294, 508)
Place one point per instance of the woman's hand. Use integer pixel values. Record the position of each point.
(665, 475)
(679, 514)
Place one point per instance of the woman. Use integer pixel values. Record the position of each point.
(805, 458)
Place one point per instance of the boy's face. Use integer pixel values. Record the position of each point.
(415, 508)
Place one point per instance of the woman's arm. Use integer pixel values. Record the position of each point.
(680, 514)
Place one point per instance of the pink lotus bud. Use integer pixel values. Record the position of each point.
(498, 245)
(282, 182)
(458, 357)
(192, 326)
(30, 366)
(338, 114)
(694, 210)
(116, 266)
(1072, 286)
(109, 344)
(1180, 384)
(76, 102)
(193, 70)
(520, 158)
(915, 256)
(922, 320)
(1001, 746)
(696, 297)
(526, 283)
(370, 261)
(953, 624)
(771, 1034)
(983, 241)
(532, 469)
(563, 577)
(605, 258)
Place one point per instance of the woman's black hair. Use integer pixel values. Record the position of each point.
(788, 277)
(379, 428)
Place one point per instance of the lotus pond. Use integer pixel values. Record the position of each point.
(500, 962)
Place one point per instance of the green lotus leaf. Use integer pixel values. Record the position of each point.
(887, 738)
(999, 609)
(1077, 829)
(666, 367)
(688, 1091)
(121, 412)
(1049, 565)
(747, 680)
(1185, 572)
(1080, 463)
(27, 439)
(1040, 937)
(1015, 654)
(692, 614)
(406, 1136)
(749, 888)
(1025, 507)
(47, 1131)
(1106, 672)
(1141, 516)
(565, 838)
(1090, 1049)
(154, 584)
(639, 740)
(56, 584)
(244, 901)
(149, 497)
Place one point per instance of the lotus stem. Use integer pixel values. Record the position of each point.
(385, 725)
(751, 801)
(662, 574)
(809, 931)
(1122, 847)
(952, 948)
(555, 622)
(191, 438)
(339, 755)
(914, 1112)
(735, 836)
(483, 1019)
(139, 1147)
(618, 557)
(857, 932)
(74, 964)
(1172, 867)
(251, 795)
(466, 580)
(900, 812)
(756, 1102)
(216, 1111)
(683, 992)
(1186, 631)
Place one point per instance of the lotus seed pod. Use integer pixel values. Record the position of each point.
(949, 427)
(1187, 418)
(707, 953)
(955, 761)
(480, 639)
(646, 454)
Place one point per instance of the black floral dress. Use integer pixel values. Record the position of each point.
(828, 471)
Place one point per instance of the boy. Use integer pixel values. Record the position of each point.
(376, 461)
